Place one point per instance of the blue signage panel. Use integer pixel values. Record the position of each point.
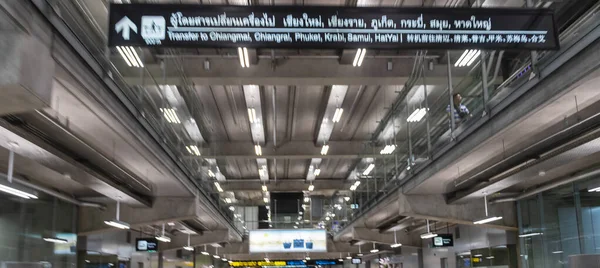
(330, 27)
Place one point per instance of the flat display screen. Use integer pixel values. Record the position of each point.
(146, 244)
(179, 25)
(356, 260)
(443, 240)
(299, 240)
(66, 248)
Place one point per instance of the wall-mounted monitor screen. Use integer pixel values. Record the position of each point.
(146, 244)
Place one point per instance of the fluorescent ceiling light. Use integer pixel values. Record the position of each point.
(530, 234)
(417, 115)
(227, 200)
(368, 169)
(327, 218)
(311, 188)
(489, 257)
(466, 253)
(193, 149)
(324, 149)
(557, 252)
(317, 172)
(224, 259)
(306, 200)
(56, 240)
(307, 258)
(216, 256)
(348, 257)
(388, 149)
(337, 115)
(264, 188)
(211, 174)
(486, 220)
(266, 199)
(597, 189)
(218, 186)
(374, 250)
(163, 238)
(340, 259)
(396, 245)
(231, 208)
(15, 192)
(204, 252)
(428, 235)
(170, 115)
(252, 115)
(359, 57)
(118, 224)
(467, 58)
(258, 149)
(130, 56)
(347, 198)
(300, 212)
(188, 248)
(477, 255)
(243, 55)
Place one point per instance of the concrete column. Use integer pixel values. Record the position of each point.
(26, 73)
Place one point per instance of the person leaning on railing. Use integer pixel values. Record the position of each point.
(459, 111)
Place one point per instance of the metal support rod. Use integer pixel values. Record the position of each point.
(427, 111)
(450, 93)
(11, 165)
(119, 210)
(484, 79)
(485, 202)
(274, 133)
(410, 153)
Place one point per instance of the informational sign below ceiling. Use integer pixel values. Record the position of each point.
(330, 27)
(295, 240)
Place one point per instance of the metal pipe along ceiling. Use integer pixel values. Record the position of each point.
(579, 176)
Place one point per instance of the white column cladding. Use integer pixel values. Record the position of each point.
(26, 73)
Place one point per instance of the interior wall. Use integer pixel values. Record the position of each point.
(466, 238)
(23, 224)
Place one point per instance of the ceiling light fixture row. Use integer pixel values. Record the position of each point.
(417, 115)
(337, 115)
(188, 247)
(170, 115)
(116, 222)
(218, 186)
(258, 150)
(467, 58)
(243, 55)
(193, 150)
(369, 169)
(130, 56)
(354, 185)
(252, 115)
(311, 187)
(396, 244)
(163, 237)
(487, 217)
(359, 57)
(324, 149)
(388, 149)
(429, 233)
(317, 172)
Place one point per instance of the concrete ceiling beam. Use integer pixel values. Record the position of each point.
(164, 210)
(206, 238)
(294, 71)
(434, 207)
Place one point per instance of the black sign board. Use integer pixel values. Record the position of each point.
(146, 244)
(443, 240)
(330, 27)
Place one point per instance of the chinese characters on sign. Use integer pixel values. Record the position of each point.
(330, 27)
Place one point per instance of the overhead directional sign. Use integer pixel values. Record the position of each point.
(331, 27)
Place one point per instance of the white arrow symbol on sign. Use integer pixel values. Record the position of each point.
(124, 25)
